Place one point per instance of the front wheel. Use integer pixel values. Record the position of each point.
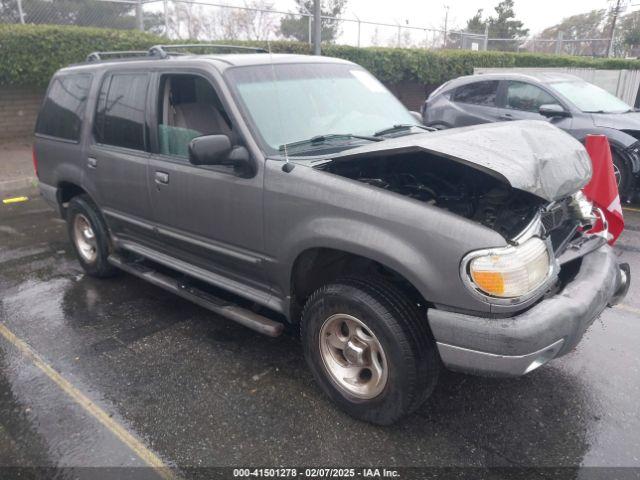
(369, 348)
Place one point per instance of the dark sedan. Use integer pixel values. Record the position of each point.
(568, 102)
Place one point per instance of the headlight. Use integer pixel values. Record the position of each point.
(510, 271)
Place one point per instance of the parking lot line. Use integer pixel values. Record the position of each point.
(628, 308)
(631, 209)
(91, 408)
(8, 201)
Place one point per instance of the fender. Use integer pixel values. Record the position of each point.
(307, 208)
(618, 139)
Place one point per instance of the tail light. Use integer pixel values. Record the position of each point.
(35, 160)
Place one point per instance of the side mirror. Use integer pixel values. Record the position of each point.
(416, 115)
(553, 110)
(209, 150)
(241, 161)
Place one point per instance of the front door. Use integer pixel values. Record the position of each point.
(522, 100)
(208, 216)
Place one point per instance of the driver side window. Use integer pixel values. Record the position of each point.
(188, 107)
(527, 97)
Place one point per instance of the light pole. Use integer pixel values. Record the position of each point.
(20, 11)
(317, 27)
(446, 21)
(139, 18)
(616, 12)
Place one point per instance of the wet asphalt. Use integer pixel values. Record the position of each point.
(200, 391)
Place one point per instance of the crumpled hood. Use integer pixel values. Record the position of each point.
(619, 121)
(530, 155)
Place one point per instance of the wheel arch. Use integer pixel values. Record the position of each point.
(317, 266)
(66, 191)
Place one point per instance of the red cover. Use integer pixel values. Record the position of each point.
(602, 190)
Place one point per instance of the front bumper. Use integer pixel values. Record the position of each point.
(517, 345)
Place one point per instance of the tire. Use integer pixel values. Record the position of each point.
(624, 176)
(384, 315)
(89, 236)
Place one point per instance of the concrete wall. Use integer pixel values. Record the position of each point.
(18, 110)
(411, 94)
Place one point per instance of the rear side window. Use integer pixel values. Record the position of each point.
(120, 111)
(63, 109)
(479, 93)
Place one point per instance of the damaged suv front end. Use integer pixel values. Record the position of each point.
(550, 280)
(559, 277)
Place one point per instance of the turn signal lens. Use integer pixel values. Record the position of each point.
(512, 271)
(492, 282)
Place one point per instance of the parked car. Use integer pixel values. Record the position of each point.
(568, 102)
(295, 190)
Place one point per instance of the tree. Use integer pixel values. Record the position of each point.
(589, 25)
(296, 26)
(627, 39)
(257, 24)
(476, 24)
(188, 20)
(505, 26)
(375, 38)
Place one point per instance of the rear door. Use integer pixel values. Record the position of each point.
(118, 156)
(519, 100)
(58, 144)
(475, 103)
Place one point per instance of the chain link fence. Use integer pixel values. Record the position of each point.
(257, 20)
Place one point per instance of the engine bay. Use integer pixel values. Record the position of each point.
(447, 184)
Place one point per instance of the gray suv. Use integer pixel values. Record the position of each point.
(566, 101)
(296, 191)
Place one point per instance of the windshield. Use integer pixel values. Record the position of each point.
(589, 98)
(295, 102)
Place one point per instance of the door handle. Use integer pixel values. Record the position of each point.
(92, 162)
(162, 178)
(506, 116)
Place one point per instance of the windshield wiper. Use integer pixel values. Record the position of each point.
(321, 139)
(400, 127)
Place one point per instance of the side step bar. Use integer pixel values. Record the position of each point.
(217, 305)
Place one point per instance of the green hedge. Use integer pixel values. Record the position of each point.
(29, 54)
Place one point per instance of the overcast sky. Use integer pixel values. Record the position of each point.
(536, 14)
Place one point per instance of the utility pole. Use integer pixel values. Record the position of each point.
(616, 12)
(20, 11)
(317, 27)
(139, 19)
(166, 19)
(446, 21)
(486, 37)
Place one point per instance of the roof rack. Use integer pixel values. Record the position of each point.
(98, 56)
(163, 51)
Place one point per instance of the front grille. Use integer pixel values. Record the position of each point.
(555, 215)
(559, 224)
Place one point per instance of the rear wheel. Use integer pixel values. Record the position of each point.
(624, 176)
(369, 348)
(89, 237)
